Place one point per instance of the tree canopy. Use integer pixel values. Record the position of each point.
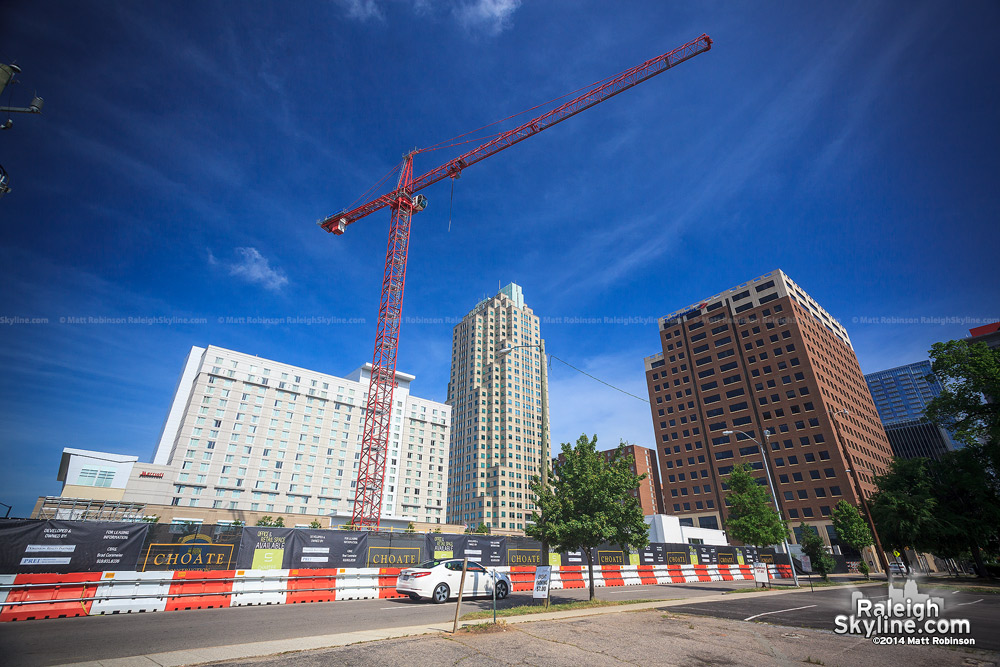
(851, 527)
(812, 546)
(751, 518)
(589, 502)
(970, 379)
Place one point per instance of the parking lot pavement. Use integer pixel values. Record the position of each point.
(644, 638)
(818, 609)
(103, 638)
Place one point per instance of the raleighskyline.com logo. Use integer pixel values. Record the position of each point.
(905, 616)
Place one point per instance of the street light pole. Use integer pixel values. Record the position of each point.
(774, 494)
(853, 469)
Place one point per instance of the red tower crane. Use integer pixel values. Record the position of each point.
(404, 203)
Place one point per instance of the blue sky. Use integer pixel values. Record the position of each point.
(187, 149)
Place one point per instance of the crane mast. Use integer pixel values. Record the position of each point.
(403, 203)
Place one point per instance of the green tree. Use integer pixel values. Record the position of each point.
(482, 528)
(968, 510)
(968, 480)
(238, 524)
(905, 508)
(852, 529)
(267, 520)
(410, 528)
(589, 503)
(315, 524)
(812, 545)
(970, 377)
(151, 519)
(751, 519)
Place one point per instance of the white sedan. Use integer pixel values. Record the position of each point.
(439, 580)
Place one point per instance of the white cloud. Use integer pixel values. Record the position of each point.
(253, 267)
(363, 10)
(493, 15)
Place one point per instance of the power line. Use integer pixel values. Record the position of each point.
(552, 356)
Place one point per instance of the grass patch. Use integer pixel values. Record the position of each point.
(978, 590)
(540, 609)
(752, 590)
(484, 628)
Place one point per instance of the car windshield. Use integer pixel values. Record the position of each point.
(429, 564)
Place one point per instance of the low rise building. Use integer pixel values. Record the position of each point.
(247, 437)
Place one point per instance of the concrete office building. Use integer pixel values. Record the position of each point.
(246, 436)
(496, 402)
(761, 355)
(901, 394)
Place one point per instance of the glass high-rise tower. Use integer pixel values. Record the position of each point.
(900, 395)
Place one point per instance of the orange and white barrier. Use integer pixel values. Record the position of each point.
(38, 596)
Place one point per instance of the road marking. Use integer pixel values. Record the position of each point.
(388, 608)
(750, 618)
(965, 603)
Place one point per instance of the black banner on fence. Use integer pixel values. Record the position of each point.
(490, 551)
(658, 553)
(59, 547)
(263, 548)
(190, 547)
(522, 552)
(607, 554)
(327, 549)
(439, 545)
(395, 550)
(703, 554)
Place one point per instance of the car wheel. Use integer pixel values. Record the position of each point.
(441, 593)
(413, 596)
(502, 590)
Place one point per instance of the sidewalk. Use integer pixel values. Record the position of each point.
(272, 648)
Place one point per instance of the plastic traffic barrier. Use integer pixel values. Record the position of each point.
(50, 596)
(200, 590)
(132, 592)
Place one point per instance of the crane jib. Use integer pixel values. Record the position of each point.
(338, 223)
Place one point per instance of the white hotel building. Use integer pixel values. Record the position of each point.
(247, 436)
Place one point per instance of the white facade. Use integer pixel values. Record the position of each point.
(666, 528)
(497, 413)
(101, 470)
(245, 433)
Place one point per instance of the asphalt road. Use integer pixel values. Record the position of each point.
(819, 608)
(57, 641)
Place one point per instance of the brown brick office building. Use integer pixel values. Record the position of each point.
(648, 492)
(762, 355)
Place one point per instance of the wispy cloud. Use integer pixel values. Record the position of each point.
(363, 10)
(492, 15)
(254, 268)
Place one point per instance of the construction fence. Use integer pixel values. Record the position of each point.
(54, 569)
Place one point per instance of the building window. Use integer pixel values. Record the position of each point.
(101, 477)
